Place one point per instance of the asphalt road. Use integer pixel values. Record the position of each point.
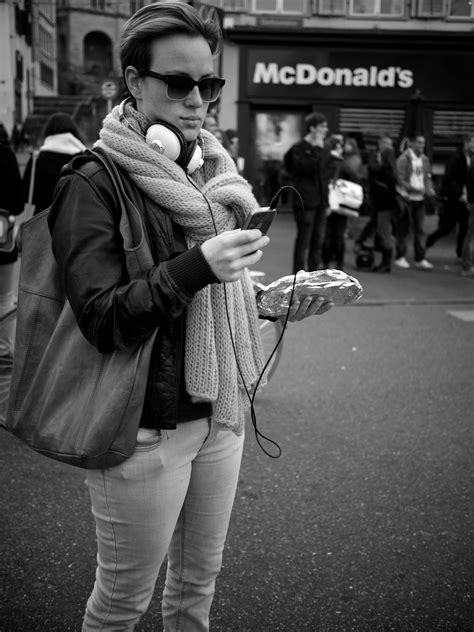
(365, 521)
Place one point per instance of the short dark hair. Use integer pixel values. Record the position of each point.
(60, 123)
(161, 19)
(314, 119)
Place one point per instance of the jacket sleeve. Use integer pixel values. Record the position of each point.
(450, 185)
(112, 310)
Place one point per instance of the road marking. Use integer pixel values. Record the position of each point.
(467, 315)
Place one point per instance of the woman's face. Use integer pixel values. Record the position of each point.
(178, 55)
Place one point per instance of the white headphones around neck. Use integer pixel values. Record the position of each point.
(169, 141)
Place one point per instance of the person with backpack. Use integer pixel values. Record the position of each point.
(306, 164)
(61, 142)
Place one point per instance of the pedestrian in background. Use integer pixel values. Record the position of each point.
(382, 182)
(234, 148)
(16, 139)
(454, 211)
(467, 254)
(415, 185)
(306, 164)
(353, 169)
(222, 138)
(333, 244)
(61, 143)
(210, 122)
(11, 200)
(173, 497)
(4, 139)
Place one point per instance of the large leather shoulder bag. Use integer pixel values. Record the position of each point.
(67, 400)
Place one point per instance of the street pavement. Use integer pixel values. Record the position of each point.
(365, 521)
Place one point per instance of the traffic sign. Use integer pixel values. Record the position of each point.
(109, 89)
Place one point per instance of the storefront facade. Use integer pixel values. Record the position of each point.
(363, 82)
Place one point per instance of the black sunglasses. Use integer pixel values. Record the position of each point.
(179, 86)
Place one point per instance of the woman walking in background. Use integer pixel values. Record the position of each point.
(61, 143)
(383, 180)
(347, 165)
(11, 200)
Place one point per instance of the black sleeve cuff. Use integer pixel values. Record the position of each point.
(190, 271)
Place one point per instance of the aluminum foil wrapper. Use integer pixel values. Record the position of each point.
(336, 285)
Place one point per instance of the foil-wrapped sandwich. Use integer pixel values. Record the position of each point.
(336, 285)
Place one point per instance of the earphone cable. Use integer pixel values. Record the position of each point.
(251, 397)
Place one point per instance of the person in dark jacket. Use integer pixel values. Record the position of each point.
(467, 254)
(11, 200)
(382, 185)
(454, 212)
(306, 164)
(174, 495)
(61, 143)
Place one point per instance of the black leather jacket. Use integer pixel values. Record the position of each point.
(113, 311)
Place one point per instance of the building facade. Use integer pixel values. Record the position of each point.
(28, 60)
(88, 34)
(371, 66)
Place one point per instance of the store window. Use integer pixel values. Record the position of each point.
(461, 9)
(97, 54)
(273, 133)
(331, 7)
(367, 124)
(449, 126)
(279, 6)
(98, 5)
(46, 41)
(48, 9)
(430, 8)
(388, 8)
(234, 5)
(135, 5)
(46, 75)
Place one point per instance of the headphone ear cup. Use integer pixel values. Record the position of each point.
(196, 160)
(165, 141)
(170, 142)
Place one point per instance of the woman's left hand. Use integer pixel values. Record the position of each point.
(309, 306)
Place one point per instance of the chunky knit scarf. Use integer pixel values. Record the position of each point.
(211, 371)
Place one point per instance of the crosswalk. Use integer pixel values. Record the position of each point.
(463, 314)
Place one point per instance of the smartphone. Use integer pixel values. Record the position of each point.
(261, 219)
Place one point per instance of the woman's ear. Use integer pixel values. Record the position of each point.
(133, 81)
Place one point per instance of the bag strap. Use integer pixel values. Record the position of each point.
(132, 228)
(113, 173)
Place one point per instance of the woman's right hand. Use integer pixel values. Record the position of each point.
(229, 253)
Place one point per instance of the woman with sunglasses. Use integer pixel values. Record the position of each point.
(174, 495)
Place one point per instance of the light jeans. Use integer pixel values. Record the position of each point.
(173, 495)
